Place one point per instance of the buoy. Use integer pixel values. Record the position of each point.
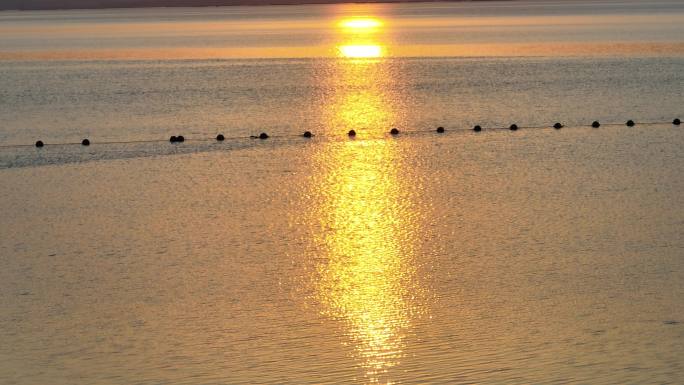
(676, 122)
(39, 143)
(307, 134)
(596, 124)
(440, 129)
(85, 142)
(220, 137)
(351, 133)
(394, 131)
(630, 123)
(180, 138)
(173, 139)
(558, 126)
(513, 127)
(263, 135)
(477, 128)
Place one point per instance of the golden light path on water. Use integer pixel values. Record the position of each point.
(367, 222)
(361, 25)
(361, 51)
(367, 280)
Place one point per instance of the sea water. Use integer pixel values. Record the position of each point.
(528, 256)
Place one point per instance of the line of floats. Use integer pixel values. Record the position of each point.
(393, 131)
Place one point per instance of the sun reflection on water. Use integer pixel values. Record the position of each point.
(360, 25)
(368, 280)
(366, 222)
(361, 51)
(363, 96)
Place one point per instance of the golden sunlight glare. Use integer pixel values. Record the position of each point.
(361, 51)
(360, 24)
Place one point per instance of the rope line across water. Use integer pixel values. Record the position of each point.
(351, 133)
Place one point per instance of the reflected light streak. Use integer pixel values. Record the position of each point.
(368, 280)
(367, 225)
(361, 51)
(360, 25)
(361, 109)
(361, 98)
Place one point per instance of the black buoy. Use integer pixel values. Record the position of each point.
(596, 124)
(513, 127)
(173, 139)
(558, 126)
(394, 131)
(39, 143)
(85, 142)
(263, 135)
(220, 137)
(630, 123)
(180, 138)
(676, 122)
(477, 128)
(440, 129)
(307, 134)
(351, 133)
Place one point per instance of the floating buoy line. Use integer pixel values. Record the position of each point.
(351, 133)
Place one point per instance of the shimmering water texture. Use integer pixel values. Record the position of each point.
(536, 255)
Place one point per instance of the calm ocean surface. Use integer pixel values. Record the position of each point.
(534, 256)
